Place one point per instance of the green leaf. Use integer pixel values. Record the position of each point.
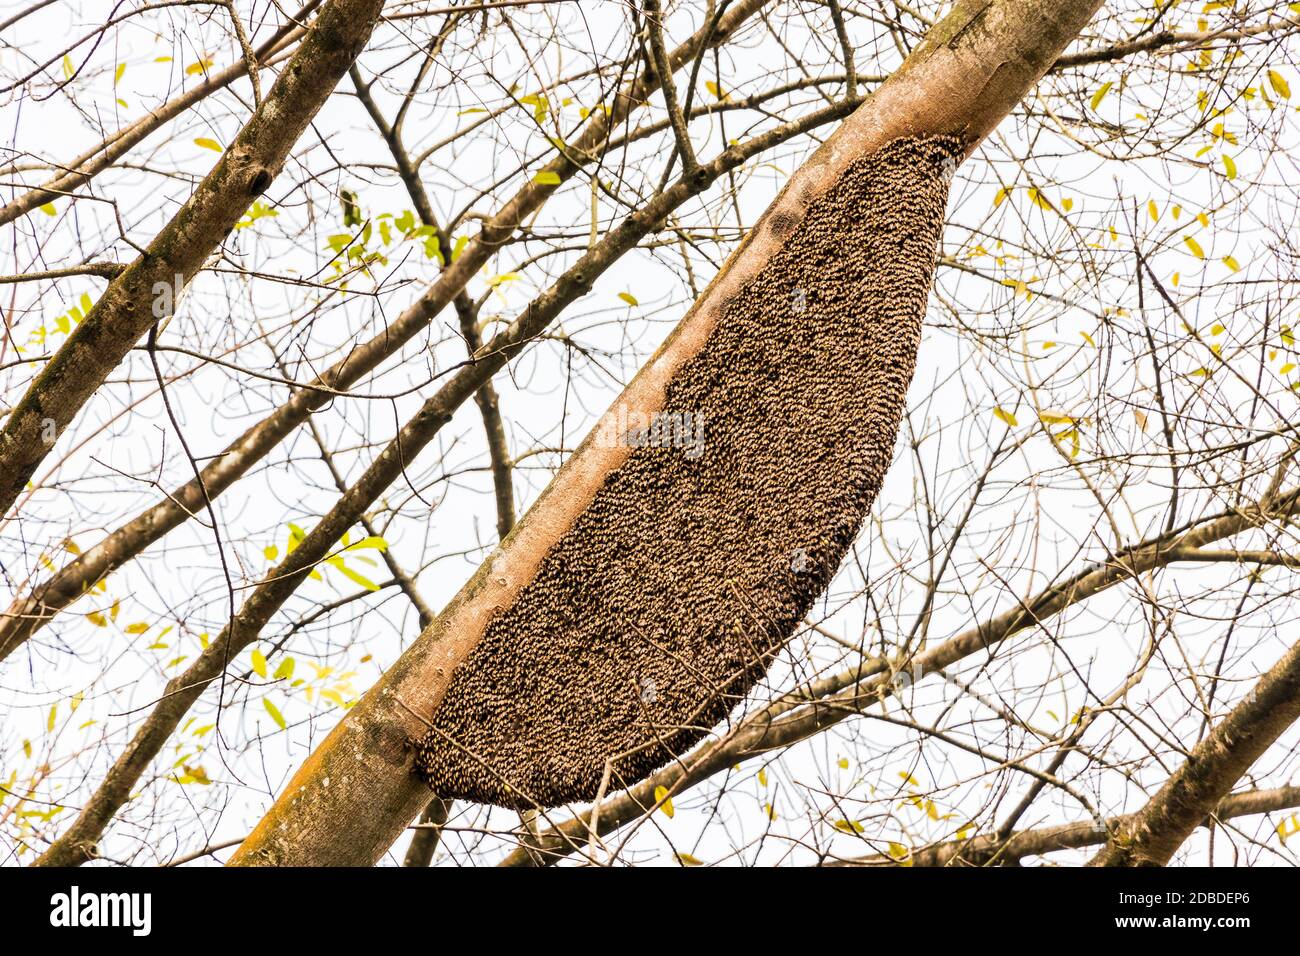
(274, 712)
(285, 670)
(547, 177)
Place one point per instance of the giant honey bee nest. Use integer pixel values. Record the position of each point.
(696, 560)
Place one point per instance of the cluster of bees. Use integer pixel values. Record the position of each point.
(689, 574)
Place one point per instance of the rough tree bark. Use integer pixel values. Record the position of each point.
(146, 292)
(352, 798)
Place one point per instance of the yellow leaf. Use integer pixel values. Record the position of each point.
(1216, 328)
(665, 804)
(844, 763)
(68, 68)
(849, 826)
(1229, 167)
(999, 196)
(200, 66)
(54, 714)
(211, 144)
(1100, 94)
(1287, 337)
(1287, 368)
(48, 209)
(898, 852)
(1003, 415)
(121, 68)
(373, 541)
(1194, 246)
(687, 860)
(713, 88)
(762, 777)
(77, 698)
(356, 577)
(1152, 209)
(1232, 263)
(274, 712)
(259, 662)
(97, 619)
(771, 811)
(271, 551)
(547, 177)
(285, 670)
(137, 628)
(1279, 84)
(629, 298)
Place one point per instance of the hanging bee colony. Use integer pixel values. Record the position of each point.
(667, 599)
